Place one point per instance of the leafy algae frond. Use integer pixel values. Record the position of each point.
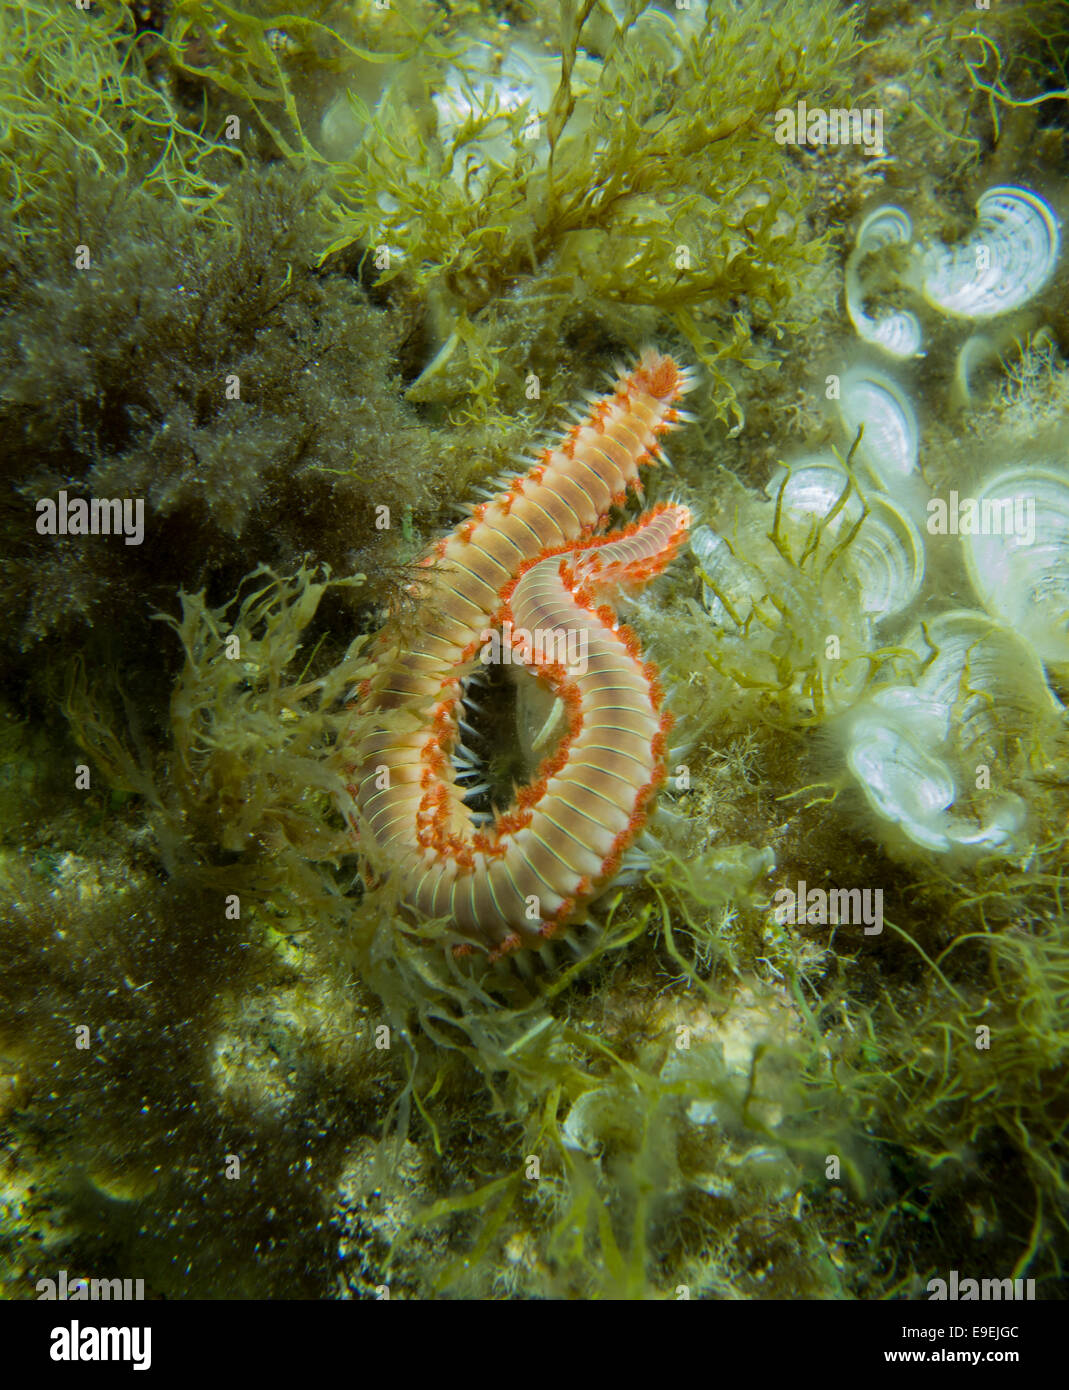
(250, 770)
(74, 97)
(654, 184)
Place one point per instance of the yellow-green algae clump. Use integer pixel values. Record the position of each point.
(710, 1099)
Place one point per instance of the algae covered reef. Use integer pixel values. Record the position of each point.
(299, 279)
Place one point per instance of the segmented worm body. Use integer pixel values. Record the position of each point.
(527, 562)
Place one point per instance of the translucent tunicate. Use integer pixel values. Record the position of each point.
(730, 587)
(889, 445)
(1016, 538)
(897, 332)
(489, 88)
(1004, 263)
(921, 752)
(881, 547)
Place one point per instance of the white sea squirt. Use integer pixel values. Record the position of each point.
(888, 449)
(1006, 261)
(882, 550)
(1021, 572)
(931, 757)
(896, 332)
(730, 586)
(489, 88)
(484, 94)
(805, 579)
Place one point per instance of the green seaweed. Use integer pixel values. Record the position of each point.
(654, 187)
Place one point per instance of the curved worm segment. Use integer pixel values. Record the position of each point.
(529, 561)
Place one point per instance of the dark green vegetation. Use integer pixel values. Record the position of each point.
(218, 1028)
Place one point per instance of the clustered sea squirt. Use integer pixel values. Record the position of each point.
(943, 720)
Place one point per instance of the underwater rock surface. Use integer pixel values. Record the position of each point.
(284, 290)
